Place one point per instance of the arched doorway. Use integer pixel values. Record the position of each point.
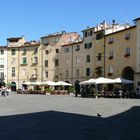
(2, 84)
(128, 73)
(13, 86)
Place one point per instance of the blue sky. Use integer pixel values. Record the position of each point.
(36, 18)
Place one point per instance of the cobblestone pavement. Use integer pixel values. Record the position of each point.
(51, 117)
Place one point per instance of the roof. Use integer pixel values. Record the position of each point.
(88, 28)
(73, 43)
(31, 44)
(52, 35)
(136, 19)
(3, 46)
(14, 38)
(121, 30)
(56, 34)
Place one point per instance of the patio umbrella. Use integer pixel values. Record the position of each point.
(123, 81)
(103, 80)
(32, 83)
(87, 82)
(63, 83)
(26, 83)
(50, 83)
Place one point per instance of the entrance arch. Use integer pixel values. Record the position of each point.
(128, 73)
(13, 86)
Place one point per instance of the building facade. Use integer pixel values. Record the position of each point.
(52, 54)
(68, 57)
(3, 65)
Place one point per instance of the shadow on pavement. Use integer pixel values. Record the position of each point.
(52, 125)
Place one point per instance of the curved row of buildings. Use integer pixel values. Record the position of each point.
(107, 50)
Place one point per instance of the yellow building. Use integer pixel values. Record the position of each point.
(120, 50)
(24, 62)
(13, 45)
(30, 63)
(122, 53)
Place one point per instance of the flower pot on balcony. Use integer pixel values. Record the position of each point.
(127, 55)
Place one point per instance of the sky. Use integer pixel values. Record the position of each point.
(36, 18)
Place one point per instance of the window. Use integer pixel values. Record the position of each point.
(13, 52)
(90, 33)
(56, 62)
(127, 36)
(35, 60)
(46, 52)
(1, 62)
(77, 60)
(67, 73)
(111, 54)
(13, 61)
(66, 61)
(99, 57)
(1, 52)
(24, 51)
(88, 45)
(110, 70)
(110, 41)
(77, 73)
(24, 72)
(46, 63)
(13, 71)
(1, 75)
(127, 52)
(99, 36)
(57, 50)
(88, 58)
(34, 75)
(46, 42)
(86, 34)
(46, 74)
(87, 71)
(66, 50)
(35, 71)
(24, 60)
(77, 48)
(35, 50)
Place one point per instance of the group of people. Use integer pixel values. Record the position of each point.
(5, 91)
(91, 90)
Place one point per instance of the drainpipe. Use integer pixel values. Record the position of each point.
(18, 65)
(104, 54)
(72, 66)
(41, 61)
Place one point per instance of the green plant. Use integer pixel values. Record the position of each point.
(48, 90)
(71, 89)
(99, 70)
(61, 87)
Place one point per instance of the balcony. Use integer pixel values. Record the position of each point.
(127, 55)
(110, 42)
(127, 37)
(110, 74)
(23, 64)
(110, 57)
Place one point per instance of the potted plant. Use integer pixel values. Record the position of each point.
(71, 90)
